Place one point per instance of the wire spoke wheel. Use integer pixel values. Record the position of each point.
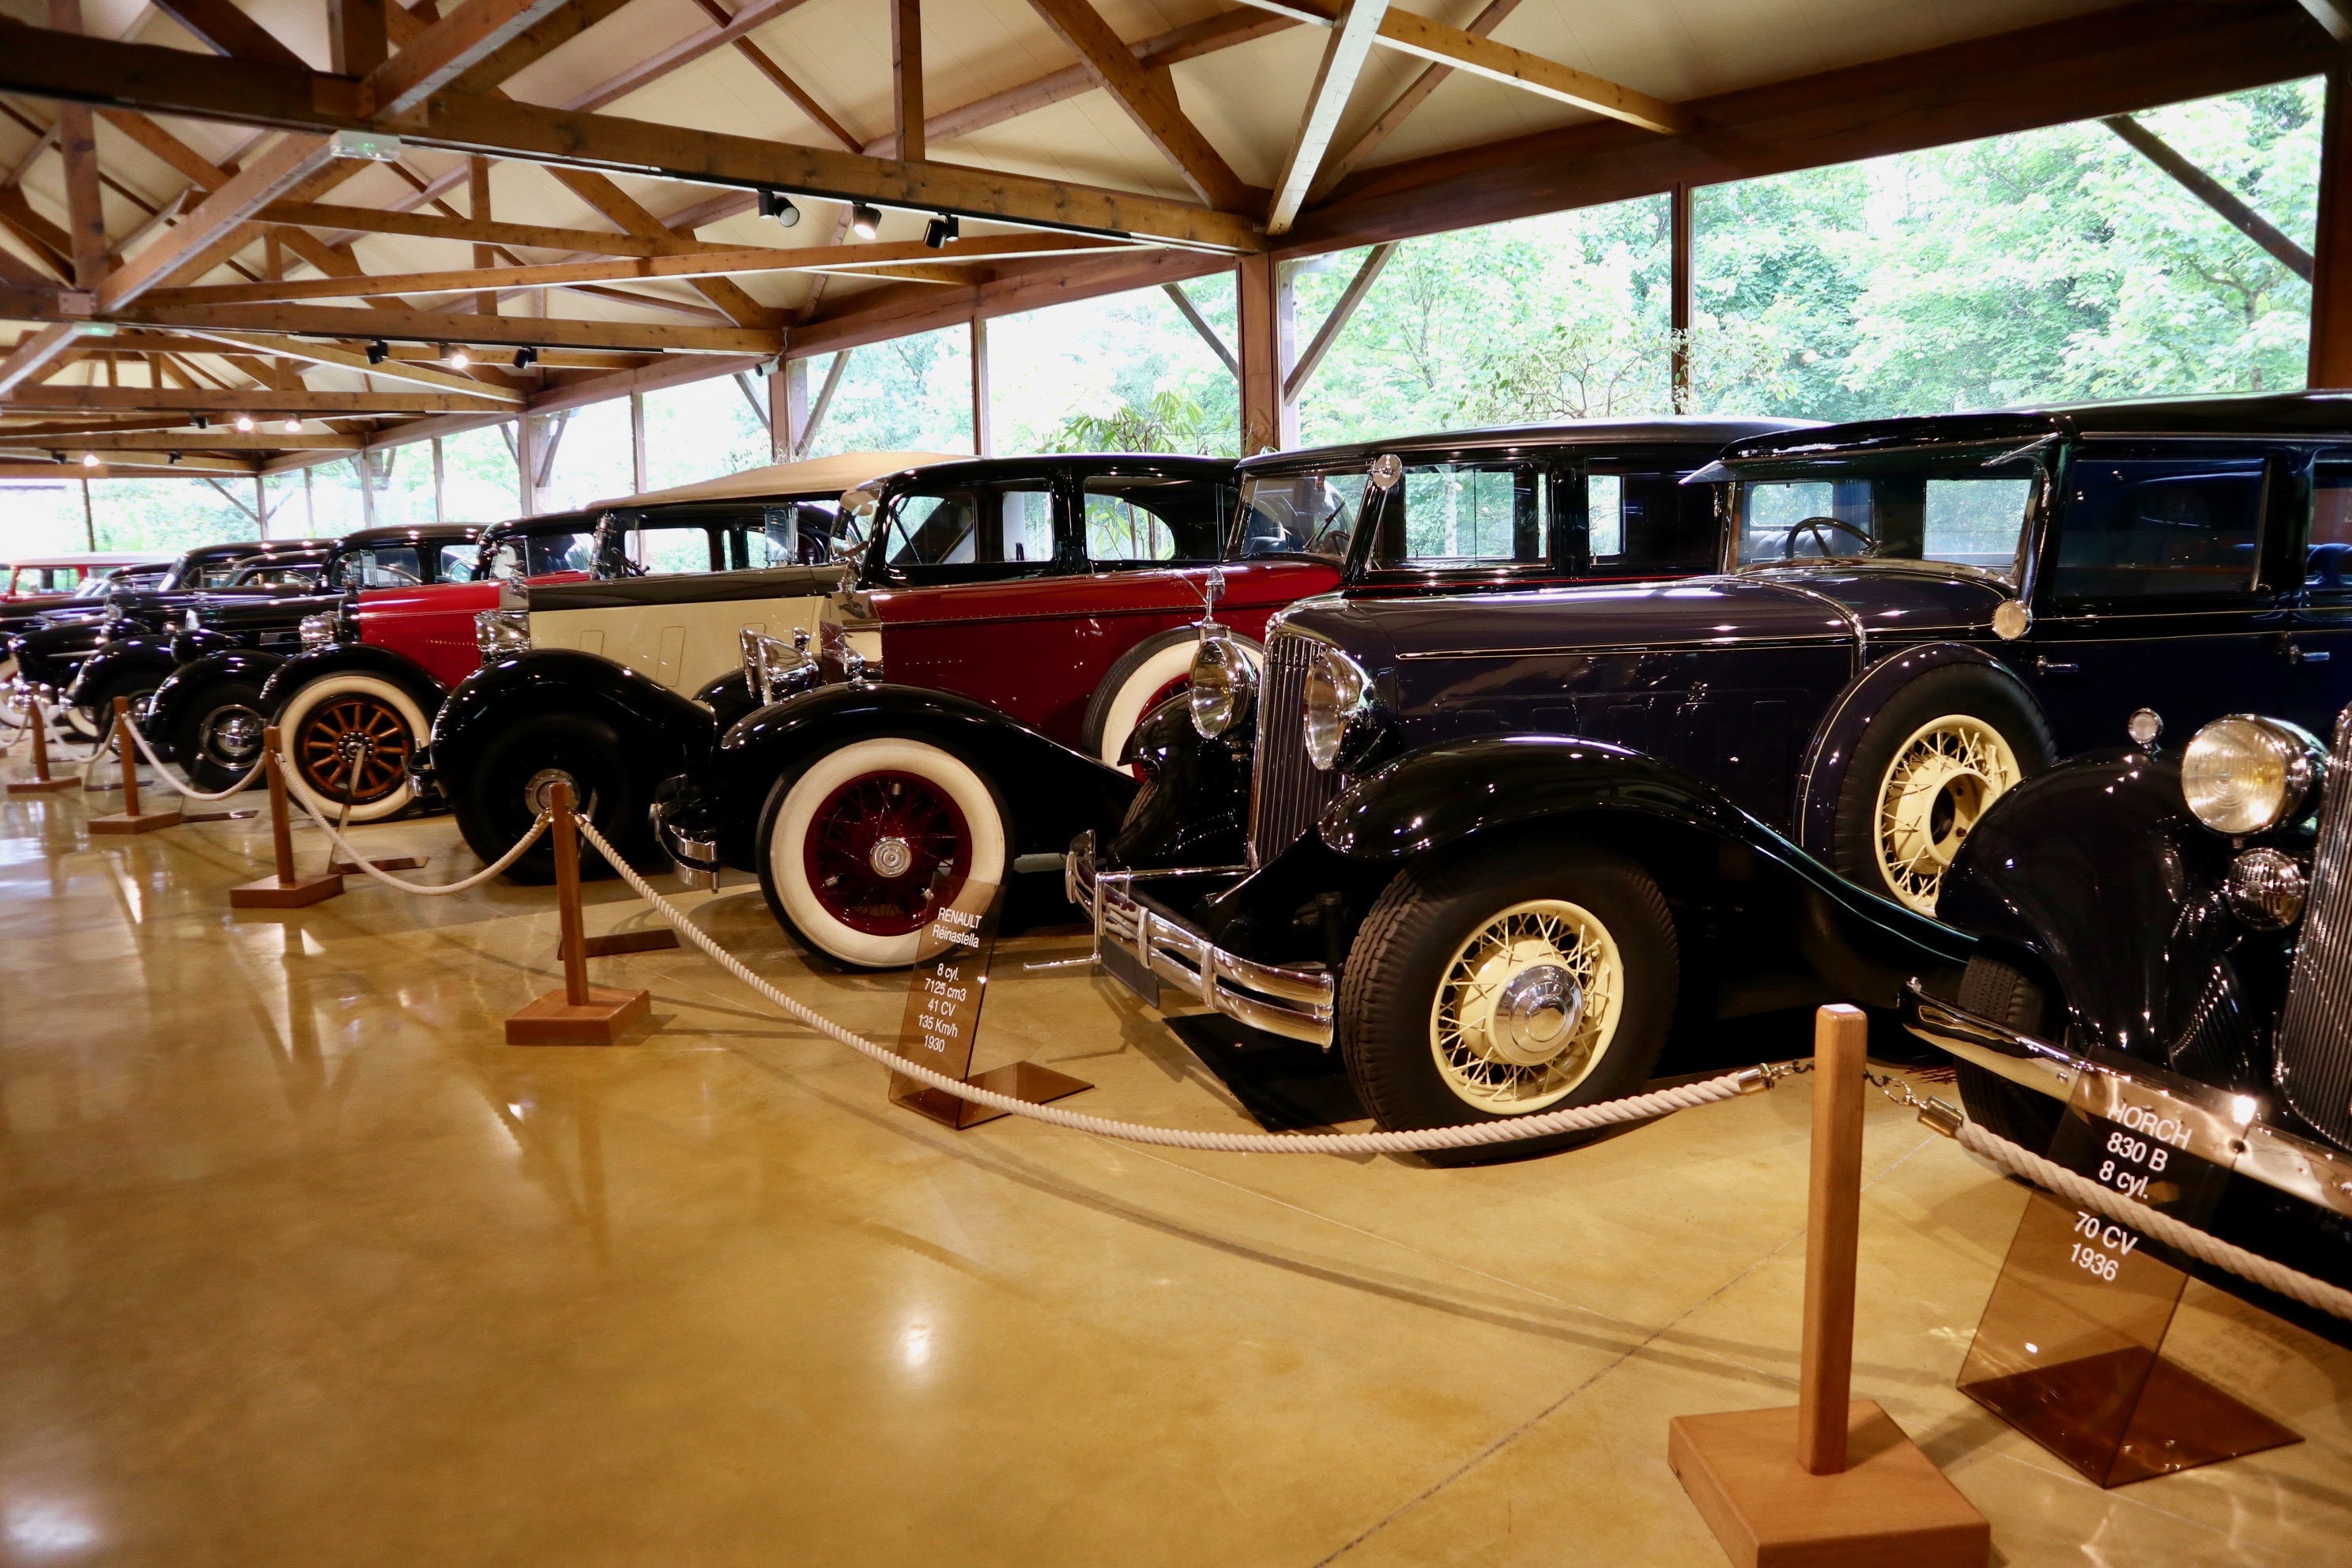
(1944, 777)
(885, 851)
(356, 742)
(1527, 1006)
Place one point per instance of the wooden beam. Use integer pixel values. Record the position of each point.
(232, 400)
(717, 262)
(2333, 15)
(678, 370)
(196, 440)
(623, 209)
(833, 375)
(2224, 201)
(533, 44)
(1417, 93)
(1681, 276)
(435, 226)
(906, 76)
(434, 327)
(146, 77)
(1259, 285)
(1209, 335)
(260, 182)
(1222, 30)
(1148, 97)
(469, 33)
(33, 354)
(2330, 363)
(1350, 44)
(357, 39)
(229, 31)
(757, 13)
(78, 145)
(2112, 61)
(477, 207)
(1416, 34)
(390, 369)
(1336, 322)
(765, 64)
(983, 421)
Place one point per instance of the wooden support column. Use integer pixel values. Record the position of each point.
(983, 429)
(477, 193)
(526, 464)
(637, 442)
(1268, 420)
(1679, 221)
(440, 485)
(824, 400)
(783, 416)
(2331, 283)
(77, 134)
(907, 77)
(356, 35)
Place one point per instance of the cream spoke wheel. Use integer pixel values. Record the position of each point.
(1944, 777)
(1526, 1007)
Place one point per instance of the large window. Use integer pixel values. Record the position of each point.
(2151, 523)
(592, 457)
(699, 431)
(1126, 373)
(907, 394)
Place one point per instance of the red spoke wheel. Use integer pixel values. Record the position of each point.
(871, 841)
(352, 733)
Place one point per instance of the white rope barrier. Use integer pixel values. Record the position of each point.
(2332, 1300)
(422, 890)
(1576, 1119)
(251, 774)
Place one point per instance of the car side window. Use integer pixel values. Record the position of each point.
(456, 564)
(2328, 558)
(1648, 522)
(941, 529)
(2140, 524)
(1298, 514)
(1132, 517)
(1449, 515)
(1025, 522)
(675, 550)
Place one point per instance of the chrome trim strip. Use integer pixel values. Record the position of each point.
(1695, 646)
(1297, 1004)
(2311, 1051)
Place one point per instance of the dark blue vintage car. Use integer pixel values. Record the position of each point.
(1495, 846)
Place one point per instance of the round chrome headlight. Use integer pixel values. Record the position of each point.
(317, 631)
(1221, 684)
(2244, 774)
(1336, 692)
(2266, 889)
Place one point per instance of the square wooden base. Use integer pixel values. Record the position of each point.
(553, 1021)
(621, 941)
(269, 893)
(1891, 1506)
(1021, 1080)
(134, 822)
(41, 786)
(343, 867)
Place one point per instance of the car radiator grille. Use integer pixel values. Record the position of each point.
(1286, 791)
(2314, 1036)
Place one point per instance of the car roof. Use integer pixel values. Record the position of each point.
(980, 469)
(1703, 430)
(416, 534)
(2283, 414)
(95, 559)
(826, 476)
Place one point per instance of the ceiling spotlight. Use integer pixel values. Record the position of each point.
(172, 459)
(456, 359)
(201, 422)
(378, 352)
(245, 424)
(777, 206)
(56, 457)
(293, 425)
(525, 357)
(865, 221)
(940, 230)
(89, 459)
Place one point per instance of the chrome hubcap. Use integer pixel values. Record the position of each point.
(233, 735)
(890, 857)
(1535, 1014)
(538, 795)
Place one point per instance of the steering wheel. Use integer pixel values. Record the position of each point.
(1821, 528)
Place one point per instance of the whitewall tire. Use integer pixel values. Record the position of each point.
(336, 715)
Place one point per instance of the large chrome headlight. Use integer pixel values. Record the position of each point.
(499, 632)
(771, 663)
(1337, 690)
(2244, 774)
(1222, 683)
(317, 631)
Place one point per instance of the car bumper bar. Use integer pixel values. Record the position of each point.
(1134, 938)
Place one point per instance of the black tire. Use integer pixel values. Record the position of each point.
(1388, 990)
(1969, 692)
(218, 737)
(493, 801)
(2004, 995)
(97, 710)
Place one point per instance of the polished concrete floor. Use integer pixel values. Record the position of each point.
(301, 1264)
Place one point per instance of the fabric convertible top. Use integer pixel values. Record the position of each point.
(815, 476)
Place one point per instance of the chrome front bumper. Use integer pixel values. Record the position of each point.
(2295, 1165)
(1142, 946)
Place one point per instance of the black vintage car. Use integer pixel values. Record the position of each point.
(986, 745)
(1494, 849)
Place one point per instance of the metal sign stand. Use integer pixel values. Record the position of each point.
(942, 1024)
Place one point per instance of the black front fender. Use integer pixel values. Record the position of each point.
(292, 675)
(665, 730)
(186, 686)
(1051, 792)
(117, 658)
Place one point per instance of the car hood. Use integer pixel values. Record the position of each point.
(1821, 604)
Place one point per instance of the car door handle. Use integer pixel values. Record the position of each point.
(2295, 655)
(2045, 665)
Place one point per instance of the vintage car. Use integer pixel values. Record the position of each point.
(1494, 850)
(104, 574)
(1006, 705)
(598, 679)
(53, 651)
(370, 659)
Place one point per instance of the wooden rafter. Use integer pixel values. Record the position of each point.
(471, 32)
(234, 400)
(33, 354)
(218, 216)
(1414, 94)
(692, 48)
(626, 210)
(2335, 15)
(535, 43)
(1349, 45)
(784, 80)
(228, 30)
(438, 327)
(390, 369)
(430, 226)
(1148, 97)
(906, 76)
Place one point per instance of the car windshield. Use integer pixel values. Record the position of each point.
(539, 554)
(1957, 508)
(1298, 514)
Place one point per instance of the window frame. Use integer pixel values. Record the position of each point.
(2259, 592)
(1563, 538)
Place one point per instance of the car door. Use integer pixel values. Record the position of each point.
(2318, 679)
(2153, 590)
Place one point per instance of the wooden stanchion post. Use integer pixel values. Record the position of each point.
(288, 889)
(580, 1013)
(1835, 1482)
(41, 782)
(130, 819)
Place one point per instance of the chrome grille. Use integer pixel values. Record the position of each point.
(2314, 1036)
(1287, 793)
